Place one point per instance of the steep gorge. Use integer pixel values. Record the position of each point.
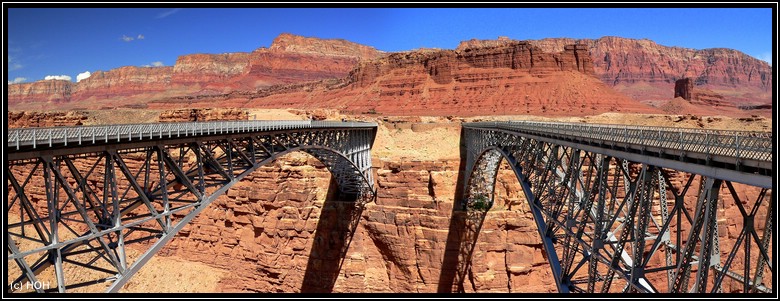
(280, 229)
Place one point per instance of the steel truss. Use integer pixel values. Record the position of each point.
(609, 224)
(77, 211)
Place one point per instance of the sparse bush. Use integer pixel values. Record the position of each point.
(480, 202)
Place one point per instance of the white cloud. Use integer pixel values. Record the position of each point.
(59, 77)
(168, 13)
(130, 39)
(83, 75)
(17, 80)
(154, 64)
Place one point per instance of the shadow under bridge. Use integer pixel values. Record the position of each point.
(77, 196)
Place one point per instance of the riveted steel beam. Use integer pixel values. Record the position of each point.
(600, 198)
(178, 170)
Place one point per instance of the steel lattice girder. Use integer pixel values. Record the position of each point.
(97, 202)
(611, 215)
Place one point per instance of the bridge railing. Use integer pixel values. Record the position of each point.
(105, 133)
(737, 144)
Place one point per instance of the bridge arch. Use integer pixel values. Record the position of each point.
(614, 216)
(479, 194)
(103, 196)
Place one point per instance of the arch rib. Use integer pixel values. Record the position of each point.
(156, 198)
(609, 212)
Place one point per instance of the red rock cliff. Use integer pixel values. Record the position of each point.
(276, 229)
(645, 70)
(290, 59)
(203, 71)
(123, 81)
(443, 65)
(498, 78)
(333, 47)
(40, 91)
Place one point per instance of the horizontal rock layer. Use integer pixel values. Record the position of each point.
(646, 70)
(290, 59)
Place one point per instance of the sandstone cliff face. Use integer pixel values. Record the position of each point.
(40, 91)
(479, 77)
(22, 119)
(289, 43)
(698, 96)
(443, 65)
(509, 78)
(290, 59)
(201, 71)
(189, 115)
(272, 68)
(645, 70)
(123, 81)
(280, 229)
(280, 238)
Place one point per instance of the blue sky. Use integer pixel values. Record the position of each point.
(70, 41)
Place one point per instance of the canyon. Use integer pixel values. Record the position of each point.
(277, 229)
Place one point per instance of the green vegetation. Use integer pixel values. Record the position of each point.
(480, 202)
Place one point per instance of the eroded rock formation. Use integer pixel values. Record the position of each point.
(507, 78)
(41, 91)
(280, 229)
(500, 76)
(23, 119)
(645, 70)
(290, 59)
(123, 81)
(189, 115)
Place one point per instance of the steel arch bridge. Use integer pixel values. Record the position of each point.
(633, 209)
(81, 194)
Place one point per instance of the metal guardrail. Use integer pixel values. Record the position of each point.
(742, 145)
(34, 137)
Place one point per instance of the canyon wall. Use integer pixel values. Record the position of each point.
(646, 70)
(281, 229)
(290, 59)
(503, 76)
(190, 115)
(123, 81)
(504, 79)
(23, 119)
(697, 95)
(52, 91)
(278, 228)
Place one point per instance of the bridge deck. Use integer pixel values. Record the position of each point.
(20, 141)
(741, 151)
